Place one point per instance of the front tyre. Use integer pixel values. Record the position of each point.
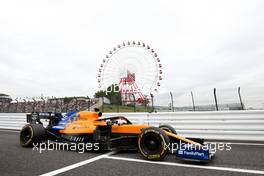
(153, 143)
(31, 133)
(168, 128)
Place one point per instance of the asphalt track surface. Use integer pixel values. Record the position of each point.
(243, 159)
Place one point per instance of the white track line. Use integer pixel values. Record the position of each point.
(241, 143)
(238, 143)
(189, 165)
(73, 166)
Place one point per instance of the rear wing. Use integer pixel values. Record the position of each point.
(35, 117)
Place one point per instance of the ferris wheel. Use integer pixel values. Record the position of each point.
(134, 66)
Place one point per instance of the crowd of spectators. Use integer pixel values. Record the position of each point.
(48, 105)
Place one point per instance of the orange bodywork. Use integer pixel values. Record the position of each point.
(86, 122)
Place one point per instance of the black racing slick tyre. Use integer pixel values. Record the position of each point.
(153, 143)
(168, 128)
(31, 133)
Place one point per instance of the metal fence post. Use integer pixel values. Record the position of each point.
(240, 99)
(172, 106)
(193, 101)
(152, 105)
(216, 104)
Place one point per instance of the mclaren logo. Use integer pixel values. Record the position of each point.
(79, 127)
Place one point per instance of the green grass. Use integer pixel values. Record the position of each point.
(123, 108)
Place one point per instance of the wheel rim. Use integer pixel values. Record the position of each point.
(151, 143)
(25, 135)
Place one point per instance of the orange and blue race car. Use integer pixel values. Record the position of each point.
(112, 133)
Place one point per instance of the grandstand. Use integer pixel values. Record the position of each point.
(4, 98)
(53, 104)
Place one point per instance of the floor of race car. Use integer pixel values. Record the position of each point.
(243, 159)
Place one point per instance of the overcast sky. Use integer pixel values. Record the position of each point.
(55, 47)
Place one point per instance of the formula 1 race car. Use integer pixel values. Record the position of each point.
(111, 133)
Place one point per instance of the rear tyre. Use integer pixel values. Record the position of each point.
(153, 143)
(31, 133)
(168, 128)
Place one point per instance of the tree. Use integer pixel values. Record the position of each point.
(112, 93)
